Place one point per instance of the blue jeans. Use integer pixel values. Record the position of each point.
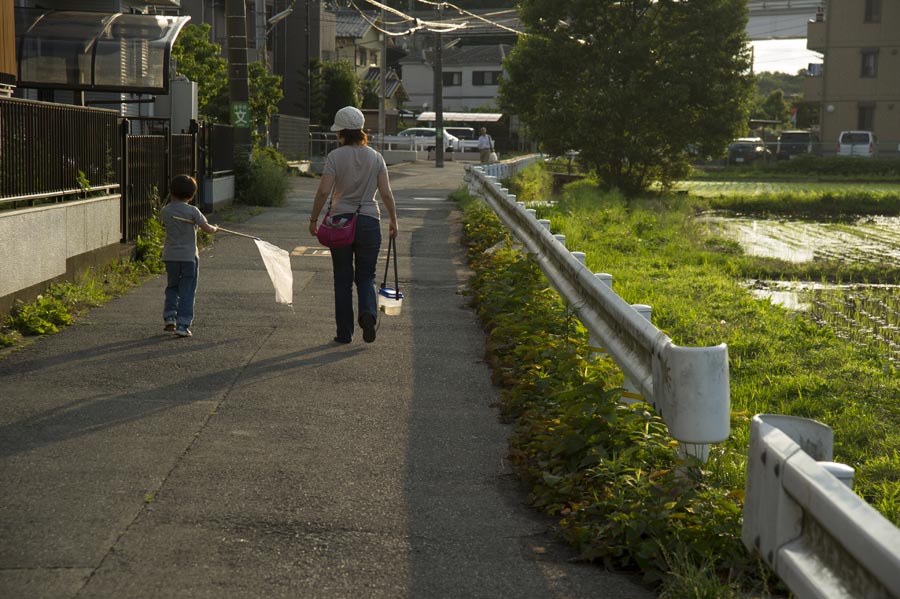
(364, 252)
(181, 287)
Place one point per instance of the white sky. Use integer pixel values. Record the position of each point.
(785, 56)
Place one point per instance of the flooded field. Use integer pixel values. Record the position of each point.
(865, 315)
(872, 240)
(720, 188)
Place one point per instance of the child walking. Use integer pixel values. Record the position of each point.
(180, 254)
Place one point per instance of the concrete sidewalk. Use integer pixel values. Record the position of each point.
(260, 459)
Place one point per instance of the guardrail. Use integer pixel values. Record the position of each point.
(688, 386)
(800, 513)
(805, 522)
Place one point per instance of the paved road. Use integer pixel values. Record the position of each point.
(259, 459)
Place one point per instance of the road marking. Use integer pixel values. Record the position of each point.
(302, 250)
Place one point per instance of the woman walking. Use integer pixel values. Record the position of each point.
(353, 173)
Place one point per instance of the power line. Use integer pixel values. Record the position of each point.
(471, 14)
(433, 26)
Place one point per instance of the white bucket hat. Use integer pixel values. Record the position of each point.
(348, 117)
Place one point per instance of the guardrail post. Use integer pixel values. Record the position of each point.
(532, 212)
(544, 223)
(560, 238)
(819, 537)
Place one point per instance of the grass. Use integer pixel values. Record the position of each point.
(607, 493)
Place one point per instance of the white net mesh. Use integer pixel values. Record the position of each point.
(278, 265)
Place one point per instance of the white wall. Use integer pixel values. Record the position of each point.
(418, 82)
(36, 242)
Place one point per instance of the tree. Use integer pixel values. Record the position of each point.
(199, 59)
(631, 84)
(775, 108)
(368, 92)
(265, 94)
(338, 86)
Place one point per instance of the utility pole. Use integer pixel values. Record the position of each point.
(383, 74)
(260, 14)
(438, 70)
(238, 85)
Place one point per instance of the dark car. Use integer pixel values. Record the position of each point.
(747, 150)
(794, 143)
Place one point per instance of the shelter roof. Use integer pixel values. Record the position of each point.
(463, 117)
(96, 51)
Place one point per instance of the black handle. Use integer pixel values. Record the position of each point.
(392, 246)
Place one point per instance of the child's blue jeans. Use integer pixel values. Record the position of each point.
(364, 252)
(181, 288)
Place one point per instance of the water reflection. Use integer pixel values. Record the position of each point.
(870, 239)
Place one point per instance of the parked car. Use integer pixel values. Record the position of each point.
(747, 150)
(451, 141)
(793, 143)
(857, 143)
(462, 132)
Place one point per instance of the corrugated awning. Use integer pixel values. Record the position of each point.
(94, 51)
(464, 117)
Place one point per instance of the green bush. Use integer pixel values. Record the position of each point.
(149, 243)
(45, 315)
(534, 183)
(263, 180)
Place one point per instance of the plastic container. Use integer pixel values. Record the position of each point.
(390, 301)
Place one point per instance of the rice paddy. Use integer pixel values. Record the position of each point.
(867, 316)
(872, 239)
(797, 188)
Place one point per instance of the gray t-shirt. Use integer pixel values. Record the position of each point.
(181, 237)
(355, 170)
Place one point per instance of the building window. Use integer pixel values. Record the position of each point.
(865, 116)
(452, 78)
(873, 11)
(869, 63)
(486, 77)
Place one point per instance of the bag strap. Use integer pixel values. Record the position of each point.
(392, 245)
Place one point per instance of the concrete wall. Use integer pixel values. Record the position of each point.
(218, 193)
(38, 245)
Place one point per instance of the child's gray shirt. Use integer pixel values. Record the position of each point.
(181, 237)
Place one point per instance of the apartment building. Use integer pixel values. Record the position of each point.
(858, 86)
(471, 76)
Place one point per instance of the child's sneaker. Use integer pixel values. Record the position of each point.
(183, 331)
(170, 325)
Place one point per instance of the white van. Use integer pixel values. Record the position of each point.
(857, 143)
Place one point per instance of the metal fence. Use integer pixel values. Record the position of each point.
(55, 151)
(152, 155)
(216, 147)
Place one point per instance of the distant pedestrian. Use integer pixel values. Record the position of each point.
(180, 254)
(353, 173)
(485, 146)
